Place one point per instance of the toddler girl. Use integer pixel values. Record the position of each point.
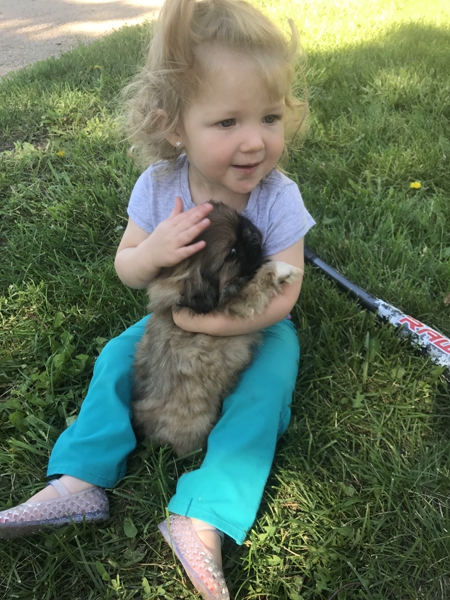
(209, 113)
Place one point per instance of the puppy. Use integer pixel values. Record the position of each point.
(181, 378)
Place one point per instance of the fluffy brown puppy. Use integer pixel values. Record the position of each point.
(181, 378)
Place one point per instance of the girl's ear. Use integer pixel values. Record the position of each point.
(161, 118)
(173, 137)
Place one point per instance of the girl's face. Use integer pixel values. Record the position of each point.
(233, 132)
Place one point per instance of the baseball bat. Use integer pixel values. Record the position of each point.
(433, 343)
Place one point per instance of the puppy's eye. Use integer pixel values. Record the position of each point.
(231, 255)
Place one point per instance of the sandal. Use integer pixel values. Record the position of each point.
(198, 562)
(31, 517)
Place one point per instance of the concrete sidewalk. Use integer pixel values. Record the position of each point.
(32, 30)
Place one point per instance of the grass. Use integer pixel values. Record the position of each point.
(357, 504)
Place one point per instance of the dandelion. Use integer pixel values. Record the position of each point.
(61, 153)
(415, 185)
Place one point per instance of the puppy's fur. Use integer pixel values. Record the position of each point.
(181, 378)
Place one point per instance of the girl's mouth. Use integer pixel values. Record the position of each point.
(246, 168)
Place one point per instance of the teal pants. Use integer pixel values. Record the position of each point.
(226, 490)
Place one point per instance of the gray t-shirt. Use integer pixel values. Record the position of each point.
(275, 205)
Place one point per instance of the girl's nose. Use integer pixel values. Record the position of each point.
(252, 140)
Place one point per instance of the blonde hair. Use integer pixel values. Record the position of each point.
(176, 67)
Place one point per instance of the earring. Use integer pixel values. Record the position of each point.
(178, 144)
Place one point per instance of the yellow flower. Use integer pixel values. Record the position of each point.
(61, 153)
(415, 185)
(97, 67)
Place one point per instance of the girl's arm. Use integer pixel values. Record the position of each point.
(278, 309)
(141, 255)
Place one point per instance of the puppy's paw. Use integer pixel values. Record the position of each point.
(285, 273)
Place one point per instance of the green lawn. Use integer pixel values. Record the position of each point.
(358, 497)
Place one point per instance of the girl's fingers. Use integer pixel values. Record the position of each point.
(184, 220)
(187, 235)
(193, 248)
(177, 207)
(191, 227)
(182, 227)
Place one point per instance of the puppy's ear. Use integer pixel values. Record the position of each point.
(201, 292)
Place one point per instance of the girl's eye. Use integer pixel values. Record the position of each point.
(270, 119)
(227, 123)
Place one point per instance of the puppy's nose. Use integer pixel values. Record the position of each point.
(254, 239)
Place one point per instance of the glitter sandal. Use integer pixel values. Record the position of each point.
(198, 562)
(31, 517)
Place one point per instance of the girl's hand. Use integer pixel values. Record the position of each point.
(140, 255)
(170, 243)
